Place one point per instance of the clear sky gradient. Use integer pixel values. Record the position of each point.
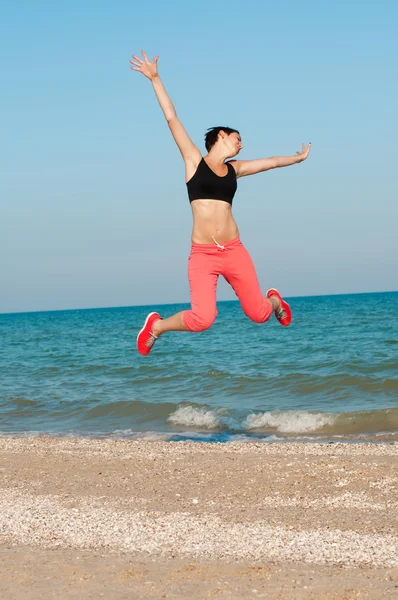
(94, 210)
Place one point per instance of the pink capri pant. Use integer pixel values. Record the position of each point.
(206, 263)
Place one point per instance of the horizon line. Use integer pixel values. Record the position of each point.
(28, 312)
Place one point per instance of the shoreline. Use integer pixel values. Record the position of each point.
(268, 511)
(210, 437)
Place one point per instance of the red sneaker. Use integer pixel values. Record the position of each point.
(145, 338)
(284, 313)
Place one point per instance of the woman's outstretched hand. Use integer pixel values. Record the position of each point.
(147, 68)
(304, 151)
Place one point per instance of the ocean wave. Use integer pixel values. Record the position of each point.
(344, 423)
(190, 416)
(135, 415)
(289, 421)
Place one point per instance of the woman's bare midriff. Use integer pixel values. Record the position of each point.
(213, 219)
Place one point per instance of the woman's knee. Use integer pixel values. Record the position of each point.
(195, 321)
(259, 314)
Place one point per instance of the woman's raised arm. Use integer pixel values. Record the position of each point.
(251, 167)
(189, 151)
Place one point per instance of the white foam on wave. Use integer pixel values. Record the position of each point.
(194, 417)
(289, 421)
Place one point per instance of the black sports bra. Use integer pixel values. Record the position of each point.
(205, 184)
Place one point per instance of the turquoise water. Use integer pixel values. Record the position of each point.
(333, 373)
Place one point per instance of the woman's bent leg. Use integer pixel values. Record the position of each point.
(241, 275)
(203, 284)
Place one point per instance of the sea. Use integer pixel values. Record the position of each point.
(331, 376)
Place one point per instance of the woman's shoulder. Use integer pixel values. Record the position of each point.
(192, 168)
(232, 164)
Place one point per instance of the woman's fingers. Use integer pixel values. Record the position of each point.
(147, 68)
(304, 150)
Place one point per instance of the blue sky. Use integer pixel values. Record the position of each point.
(94, 210)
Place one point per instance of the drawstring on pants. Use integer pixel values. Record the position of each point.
(221, 248)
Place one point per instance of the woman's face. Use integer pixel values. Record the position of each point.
(234, 143)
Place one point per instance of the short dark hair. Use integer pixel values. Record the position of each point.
(212, 135)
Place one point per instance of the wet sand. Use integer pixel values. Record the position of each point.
(88, 518)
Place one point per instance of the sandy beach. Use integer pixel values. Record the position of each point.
(89, 518)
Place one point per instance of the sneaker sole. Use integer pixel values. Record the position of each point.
(145, 324)
(273, 290)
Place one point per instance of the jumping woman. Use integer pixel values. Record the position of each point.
(216, 246)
